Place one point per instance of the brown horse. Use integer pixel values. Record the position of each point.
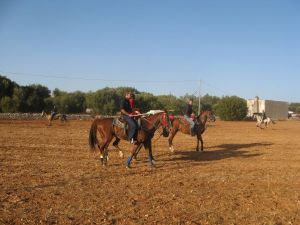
(181, 124)
(61, 117)
(108, 131)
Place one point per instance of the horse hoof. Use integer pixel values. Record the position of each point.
(128, 167)
(121, 155)
(152, 164)
(171, 149)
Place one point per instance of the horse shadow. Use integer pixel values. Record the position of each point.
(220, 152)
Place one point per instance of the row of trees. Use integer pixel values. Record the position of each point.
(106, 101)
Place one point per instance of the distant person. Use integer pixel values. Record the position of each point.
(53, 112)
(189, 116)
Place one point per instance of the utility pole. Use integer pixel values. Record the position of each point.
(199, 106)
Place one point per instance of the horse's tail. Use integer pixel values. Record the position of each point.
(93, 135)
(273, 121)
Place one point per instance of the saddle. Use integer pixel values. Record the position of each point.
(121, 123)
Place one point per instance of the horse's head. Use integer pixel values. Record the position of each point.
(202, 118)
(166, 123)
(161, 118)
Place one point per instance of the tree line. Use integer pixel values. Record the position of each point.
(106, 101)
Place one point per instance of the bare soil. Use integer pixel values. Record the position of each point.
(244, 176)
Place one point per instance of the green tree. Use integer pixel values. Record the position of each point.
(69, 102)
(209, 102)
(293, 106)
(146, 101)
(8, 105)
(232, 108)
(57, 92)
(36, 95)
(171, 103)
(6, 90)
(6, 87)
(104, 101)
(30, 98)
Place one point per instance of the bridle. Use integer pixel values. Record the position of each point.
(163, 121)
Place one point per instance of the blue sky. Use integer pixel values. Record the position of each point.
(243, 48)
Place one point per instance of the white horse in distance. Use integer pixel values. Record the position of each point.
(260, 122)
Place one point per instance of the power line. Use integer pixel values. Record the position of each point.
(116, 80)
(96, 79)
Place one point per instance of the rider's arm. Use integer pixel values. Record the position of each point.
(124, 112)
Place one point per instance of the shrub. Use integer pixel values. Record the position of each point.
(232, 108)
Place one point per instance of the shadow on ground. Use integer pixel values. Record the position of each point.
(219, 152)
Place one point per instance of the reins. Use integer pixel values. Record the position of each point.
(153, 125)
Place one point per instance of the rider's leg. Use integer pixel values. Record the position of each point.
(192, 124)
(132, 127)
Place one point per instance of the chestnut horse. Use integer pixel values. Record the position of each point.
(108, 131)
(180, 124)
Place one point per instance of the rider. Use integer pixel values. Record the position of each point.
(189, 114)
(53, 112)
(127, 113)
(264, 116)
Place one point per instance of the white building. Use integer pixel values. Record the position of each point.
(275, 109)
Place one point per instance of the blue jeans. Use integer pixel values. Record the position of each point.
(132, 126)
(191, 122)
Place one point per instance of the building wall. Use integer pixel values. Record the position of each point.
(273, 109)
(276, 109)
(255, 106)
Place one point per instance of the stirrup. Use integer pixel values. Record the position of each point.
(132, 141)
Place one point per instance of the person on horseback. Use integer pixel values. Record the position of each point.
(189, 114)
(264, 116)
(128, 115)
(53, 112)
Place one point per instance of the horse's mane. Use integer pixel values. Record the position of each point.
(154, 111)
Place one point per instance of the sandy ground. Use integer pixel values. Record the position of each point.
(244, 176)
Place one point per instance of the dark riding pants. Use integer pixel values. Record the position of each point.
(132, 126)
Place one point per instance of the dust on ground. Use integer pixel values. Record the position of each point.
(244, 176)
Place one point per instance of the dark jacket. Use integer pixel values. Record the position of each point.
(189, 110)
(126, 106)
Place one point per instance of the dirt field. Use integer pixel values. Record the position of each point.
(245, 176)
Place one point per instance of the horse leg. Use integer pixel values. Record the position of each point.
(201, 143)
(134, 149)
(172, 135)
(148, 146)
(103, 147)
(151, 158)
(199, 138)
(137, 151)
(101, 153)
(116, 145)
